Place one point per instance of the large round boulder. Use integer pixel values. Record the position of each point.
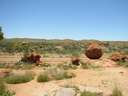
(94, 51)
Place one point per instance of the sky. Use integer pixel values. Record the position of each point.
(65, 19)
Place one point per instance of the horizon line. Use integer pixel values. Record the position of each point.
(62, 39)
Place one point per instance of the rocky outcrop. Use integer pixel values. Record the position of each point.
(119, 57)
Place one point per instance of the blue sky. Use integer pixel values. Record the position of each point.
(65, 19)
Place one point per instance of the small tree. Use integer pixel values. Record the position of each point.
(1, 34)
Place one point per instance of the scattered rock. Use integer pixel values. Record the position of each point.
(65, 92)
(118, 57)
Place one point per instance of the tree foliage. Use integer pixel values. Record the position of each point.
(1, 34)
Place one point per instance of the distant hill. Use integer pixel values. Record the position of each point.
(40, 40)
(66, 46)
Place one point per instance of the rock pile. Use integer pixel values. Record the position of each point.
(31, 58)
(119, 57)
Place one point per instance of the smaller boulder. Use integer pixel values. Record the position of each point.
(75, 61)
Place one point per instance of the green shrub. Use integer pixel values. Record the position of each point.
(18, 65)
(43, 78)
(16, 79)
(67, 66)
(54, 74)
(45, 65)
(3, 66)
(86, 93)
(123, 63)
(88, 65)
(27, 66)
(59, 74)
(63, 75)
(22, 65)
(3, 90)
(85, 65)
(116, 92)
